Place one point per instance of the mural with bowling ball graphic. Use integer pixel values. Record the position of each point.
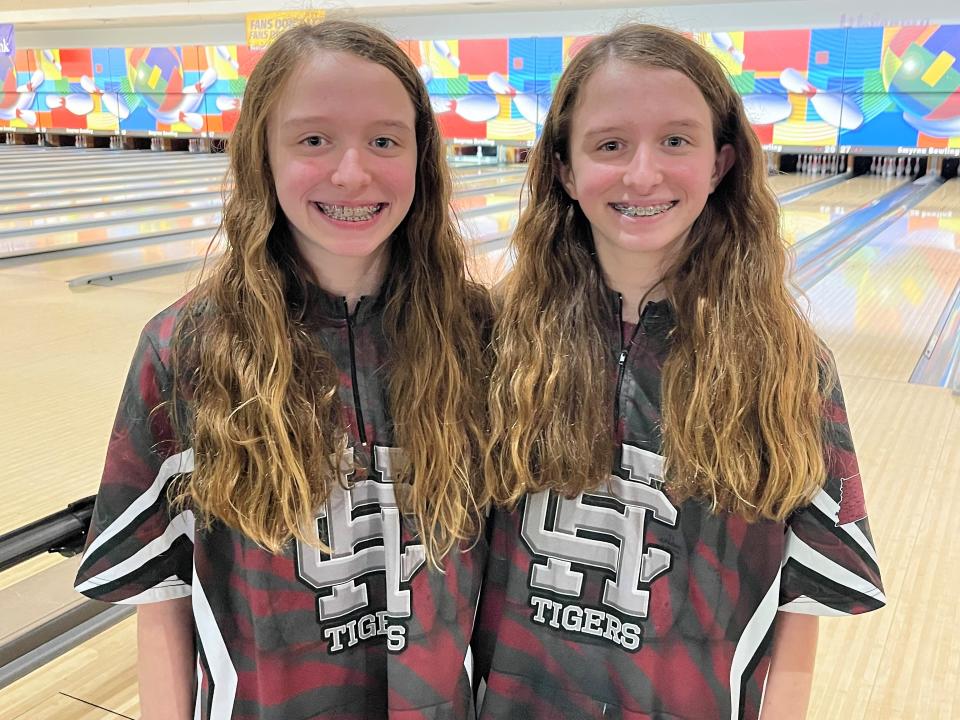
(866, 88)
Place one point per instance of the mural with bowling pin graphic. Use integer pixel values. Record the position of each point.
(494, 89)
(187, 91)
(867, 89)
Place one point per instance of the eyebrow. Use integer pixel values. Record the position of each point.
(309, 121)
(613, 129)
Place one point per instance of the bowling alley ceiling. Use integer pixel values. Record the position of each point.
(86, 13)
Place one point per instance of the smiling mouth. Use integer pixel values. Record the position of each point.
(351, 213)
(643, 210)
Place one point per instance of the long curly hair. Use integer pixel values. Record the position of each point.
(742, 393)
(265, 418)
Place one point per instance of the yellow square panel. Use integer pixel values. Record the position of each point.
(938, 68)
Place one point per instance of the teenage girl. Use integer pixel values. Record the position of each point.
(670, 446)
(289, 492)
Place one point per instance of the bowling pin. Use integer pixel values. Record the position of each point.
(426, 72)
(445, 52)
(498, 83)
(193, 120)
(226, 103)
(793, 81)
(533, 108)
(224, 53)
(208, 78)
(76, 103)
(35, 81)
(28, 116)
(89, 85)
(837, 110)
(475, 108)
(115, 105)
(723, 41)
(51, 58)
(112, 101)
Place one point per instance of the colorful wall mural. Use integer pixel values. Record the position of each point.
(849, 89)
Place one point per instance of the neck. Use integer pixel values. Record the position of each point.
(635, 276)
(351, 277)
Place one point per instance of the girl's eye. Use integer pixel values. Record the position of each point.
(313, 141)
(675, 141)
(384, 143)
(610, 146)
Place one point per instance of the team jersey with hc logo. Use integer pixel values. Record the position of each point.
(365, 631)
(619, 603)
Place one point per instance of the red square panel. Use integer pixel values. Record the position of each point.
(482, 57)
(822, 57)
(454, 126)
(764, 133)
(76, 62)
(776, 50)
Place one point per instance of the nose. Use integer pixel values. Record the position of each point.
(643, 172)
(350, 173)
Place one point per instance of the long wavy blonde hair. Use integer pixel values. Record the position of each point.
(265, 418)
(741, 385)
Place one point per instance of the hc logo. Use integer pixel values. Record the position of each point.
(630, 563)
(360, 516)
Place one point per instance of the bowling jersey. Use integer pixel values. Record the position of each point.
(620, 603)
(368, 630)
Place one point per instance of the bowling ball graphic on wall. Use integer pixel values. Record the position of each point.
(156, 76)
(923, 76)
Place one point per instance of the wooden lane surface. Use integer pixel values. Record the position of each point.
(900, 663)
(878, 310)
(789, 181)
(95, 681)
(806, 216)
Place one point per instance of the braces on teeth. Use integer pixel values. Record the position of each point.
(636, 211)
(354, 214)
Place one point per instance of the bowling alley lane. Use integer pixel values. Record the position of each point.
(878, 309)
(38, 168)
(806, 216)
(782, 182)
(109, 211)
(110, 231)
(78, 159)
(61, 178)
(49, 194)
(38, 186)
(113, 259)
(111, 193)
(489, 181)
(62, 367)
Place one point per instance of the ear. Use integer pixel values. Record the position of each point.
(726, 157)
(565, 175)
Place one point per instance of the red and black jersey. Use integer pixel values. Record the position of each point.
(366, 631)
(621, 604)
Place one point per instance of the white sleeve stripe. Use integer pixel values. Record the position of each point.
(750, 640)
(159, 593)
(798, 550)
(831, 508)
(182, 524)
(804, 605)
(173, 465)
(223, 675)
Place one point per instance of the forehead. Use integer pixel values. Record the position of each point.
(620, 93)
(346, 87)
